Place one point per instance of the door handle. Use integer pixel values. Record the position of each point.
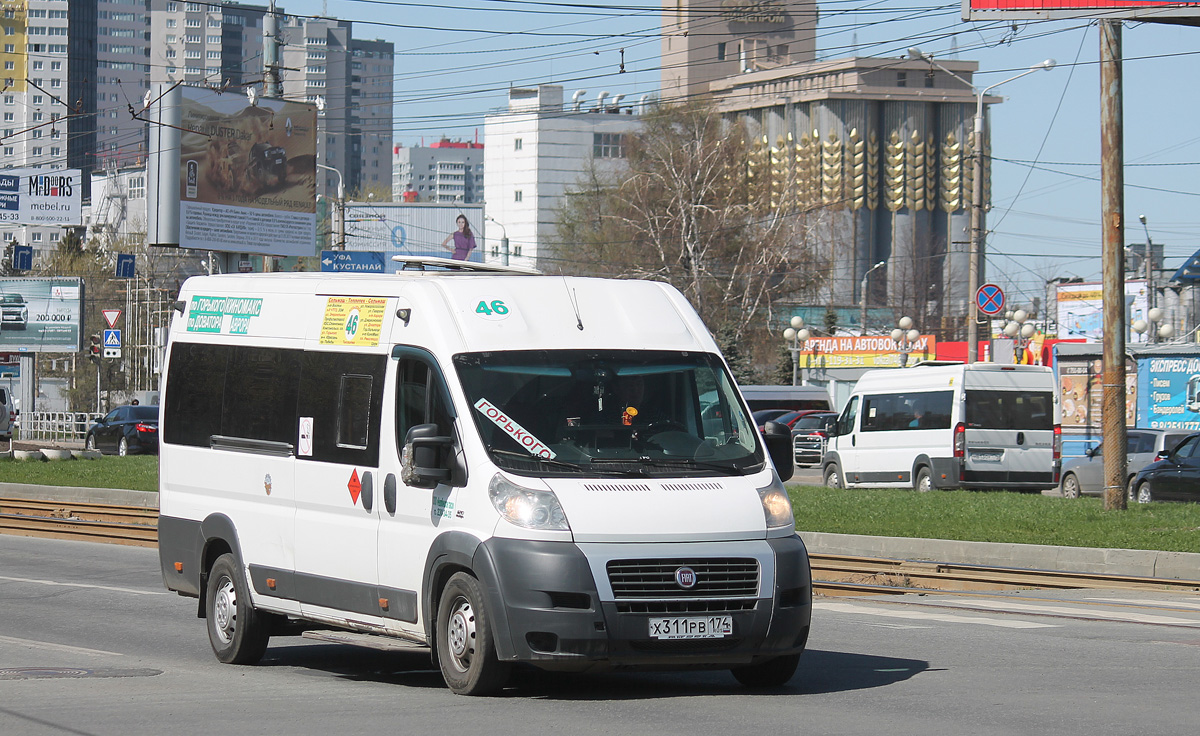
(389, 494)
(853, 441)
(367, 491)
(1020, 438)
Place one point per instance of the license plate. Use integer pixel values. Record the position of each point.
(691, 627)
(987, 457)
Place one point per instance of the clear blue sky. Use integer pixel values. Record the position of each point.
(453, 65)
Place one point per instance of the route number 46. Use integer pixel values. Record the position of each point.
(496, 306)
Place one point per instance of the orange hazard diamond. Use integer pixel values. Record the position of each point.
(354, 486)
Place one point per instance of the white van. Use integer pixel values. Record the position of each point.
(983, 425)
(503, 468)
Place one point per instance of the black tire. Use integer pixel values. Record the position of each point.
(1070, 486)
(833, 476)
(924, 481)
(1144, 493)
(772, 673)
(90, 443)
(237, 632)
(466, 647)
(123, 447)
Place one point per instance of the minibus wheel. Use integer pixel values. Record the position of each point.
(924, 480)
(771, 673)
(237, 632)
(833, 476)
(466, 646)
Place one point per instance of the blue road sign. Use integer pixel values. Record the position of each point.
(23, 257)
(112, 338)
(125, 265)
(353, 261)
(990, 299)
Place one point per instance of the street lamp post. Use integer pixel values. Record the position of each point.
(905, 338)
(1152, 325)
(862, 297)
(796, 334)
(339, 222)
(1149, 259)
(976, 253)
(503, 240)
(1021, 332)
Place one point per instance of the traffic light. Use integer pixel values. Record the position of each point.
(94, 348)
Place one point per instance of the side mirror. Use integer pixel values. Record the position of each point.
(778, 437)
(1093, 451)
(1163, 454)
(424, 461)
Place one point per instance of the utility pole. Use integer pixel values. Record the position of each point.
(1112, 197)
(272, 82)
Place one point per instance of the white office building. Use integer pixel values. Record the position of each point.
(535, 151)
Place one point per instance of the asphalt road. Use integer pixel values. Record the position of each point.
(90, 643)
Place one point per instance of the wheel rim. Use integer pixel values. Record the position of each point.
(123, 448)
(225, 610)
(1143, 495)
(460, 634)
(834, 480)
(924, 483)
(91, 442)
(1070, 487)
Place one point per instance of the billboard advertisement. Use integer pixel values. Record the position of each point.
(40, 197)
(41, 315)
(1143, 10)
(1170, 394)
(1081, 310)
(1081, 387)
(247, 174)
(415, 229)
(866, 351)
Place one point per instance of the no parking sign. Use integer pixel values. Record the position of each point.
(990, 299)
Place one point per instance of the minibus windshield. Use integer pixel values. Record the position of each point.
(1010, 410)
(619, 412)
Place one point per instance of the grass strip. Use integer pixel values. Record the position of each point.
(134, 472)
(977, 516)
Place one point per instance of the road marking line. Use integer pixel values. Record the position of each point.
(55, 647)
(1149, 602)
(1144, 618)
(82, 585)
(928, 616)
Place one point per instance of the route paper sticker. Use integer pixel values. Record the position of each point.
(532, 444)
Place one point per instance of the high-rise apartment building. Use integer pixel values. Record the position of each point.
(206, 43)
(446, 171)
(351, 80)
(122, 78)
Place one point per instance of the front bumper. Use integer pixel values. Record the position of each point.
(560, 616)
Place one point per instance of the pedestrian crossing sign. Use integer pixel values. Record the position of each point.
(112, 338)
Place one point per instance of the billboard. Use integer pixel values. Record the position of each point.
(247, 174)
(1081, 310)
(415, 229)
(1143, 10)
(866, 351)
(40, 197)
(41, 315)
(1081, 388)
(1170, 392)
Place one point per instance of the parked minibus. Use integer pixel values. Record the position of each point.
(502, 467)
(979, 425)
(795, 398)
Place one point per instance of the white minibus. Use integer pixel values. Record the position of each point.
(982, 425)
(502, 467)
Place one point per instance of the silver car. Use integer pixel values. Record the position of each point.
(1085, 475)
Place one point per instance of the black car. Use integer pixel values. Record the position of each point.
(1175, 476)
(809, 435)
(126, 430)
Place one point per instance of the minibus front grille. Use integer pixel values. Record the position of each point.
(717, 577)
(722, 605)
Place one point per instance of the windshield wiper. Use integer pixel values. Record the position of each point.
(645, 462)
(538, 458)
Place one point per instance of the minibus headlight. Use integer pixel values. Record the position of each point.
(777, 507)
(526, 507)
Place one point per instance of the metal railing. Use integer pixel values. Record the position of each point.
(53, 425)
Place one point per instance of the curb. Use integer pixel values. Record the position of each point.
(72, 494)
(1132, 562)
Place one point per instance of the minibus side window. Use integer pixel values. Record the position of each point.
(260, 394)
(194, 393)
(354, 411)
(419, 399)
(343, 393)
(845, 423)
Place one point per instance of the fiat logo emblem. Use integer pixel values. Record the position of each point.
(685, 577)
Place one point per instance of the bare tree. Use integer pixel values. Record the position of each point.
(688, 210)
